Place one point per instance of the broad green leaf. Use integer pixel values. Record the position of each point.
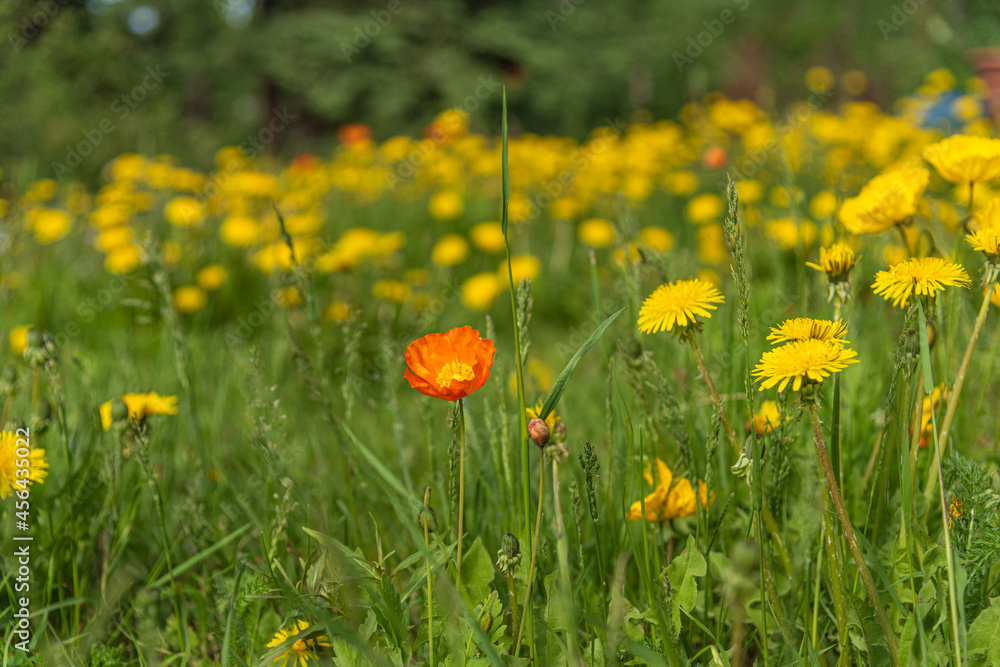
(555, 611)
(984, 637)
(477, 573)
(560, 385)
(875, 641)
(682, 572)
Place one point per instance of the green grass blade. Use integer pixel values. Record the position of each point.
(560, 385)
(200, 556)
(504, 170)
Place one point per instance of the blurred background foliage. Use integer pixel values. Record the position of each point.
(78, 73)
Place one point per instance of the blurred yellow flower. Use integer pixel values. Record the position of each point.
(18, 338)
(819, 79)
(211, 277)
(522, 267)
(925, 276)
(596, 233)
(705, 207)
(995, 298)
(338, 311)
(189, 299)
(854, 81)
(141, 406)
(767, 419)
(565, 208)
(479, 291)
(240, 231)
(110, 215)
(184, 211)
(450, 250)
(963, 158)
(712, 245)
(681, 183)
(669, 500)
(172, 252)
(123, 259)
(49, 225)
(888, 198)
(446, 205)
(289, 297)
(488, 236)
(788, 234)
(391, 290)
(749, 191)
(656, 238)
(823, 205)
(113, 237)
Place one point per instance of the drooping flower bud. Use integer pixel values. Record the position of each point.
(539, 432)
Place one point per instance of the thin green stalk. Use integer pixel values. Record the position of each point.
(852, 540)
(531, 567)
(956, 390)
(925, 362)
(461, 488)
(430, 590)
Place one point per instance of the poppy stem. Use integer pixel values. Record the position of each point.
(461, 488)
(852, 539)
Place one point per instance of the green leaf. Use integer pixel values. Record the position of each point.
(560, 385)
(556, 615)
(682, 572)
(875, 641)
(984, 637)
(477, 573)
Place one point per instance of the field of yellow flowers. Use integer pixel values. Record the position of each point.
(716, 390)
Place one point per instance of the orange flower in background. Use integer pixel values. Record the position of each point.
(449, 365)
(354, 133)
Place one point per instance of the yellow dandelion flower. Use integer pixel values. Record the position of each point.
(391, 290)
(677, 303)
(37, 464)
(450, 250)
(749, 191)
(338, 311)
(189, 299)
(211, 277)
(823, 205)
(302, 649)
(986, 241)
(522, 267)
(888, 198)
(479, 291)
(488, 236)
(114, 237)
(596, 233)
(656, 238)
(49, 225)
(995, 297)
(925, 276)
(123, 259)
(802, 362)
(963, 158)
(989, 217)
(806, 328)
(446, 205)
(836, 262)
(767, 419)
(240, 231)
(19, 338)
(184, 211)
(681, 183)
(670, 499)
(141, 406)
(705, 207)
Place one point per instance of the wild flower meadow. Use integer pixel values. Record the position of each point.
(715, 390)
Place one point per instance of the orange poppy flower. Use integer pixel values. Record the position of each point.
(449, 365)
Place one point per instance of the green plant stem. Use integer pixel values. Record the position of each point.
(852, 540)
(430, 588)
(531, 567)
(769, 522)
(512, 585)
(461, 489)
(956, 390)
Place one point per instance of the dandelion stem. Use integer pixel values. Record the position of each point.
(956, 390)
(531, 566)
(461, 488)
(852, 540)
